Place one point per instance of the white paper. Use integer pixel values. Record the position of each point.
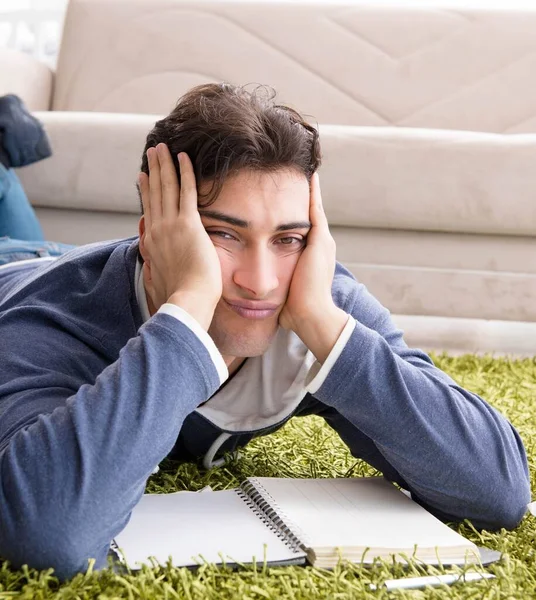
(188, 525)
(359, 512)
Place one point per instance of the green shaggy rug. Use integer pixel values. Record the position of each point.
(307, 448)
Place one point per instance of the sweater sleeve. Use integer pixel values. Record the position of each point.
(456, 454)
(79, 436)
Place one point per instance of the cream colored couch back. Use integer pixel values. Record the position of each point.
(340, 61)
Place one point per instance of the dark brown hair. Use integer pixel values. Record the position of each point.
(225, 128)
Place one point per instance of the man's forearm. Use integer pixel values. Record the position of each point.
(86, 462)
(455, 452)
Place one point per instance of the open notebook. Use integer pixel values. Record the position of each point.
(286, 521)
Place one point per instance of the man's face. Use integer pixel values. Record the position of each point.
(258, 224)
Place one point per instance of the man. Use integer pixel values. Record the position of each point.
(227, 318)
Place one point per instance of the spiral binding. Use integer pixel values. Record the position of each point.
(116, 552)
(264, 506)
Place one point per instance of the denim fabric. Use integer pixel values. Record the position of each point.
(17, 217)
(13, 250)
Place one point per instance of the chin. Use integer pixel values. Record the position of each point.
(244, 342)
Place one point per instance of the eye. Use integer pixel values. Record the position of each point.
(222, 234)
(290, 241)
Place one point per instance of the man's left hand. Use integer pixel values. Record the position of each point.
(309, 310)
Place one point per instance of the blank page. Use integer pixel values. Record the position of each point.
(186, 525)
(359, 512)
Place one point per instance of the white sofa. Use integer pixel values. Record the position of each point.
(427, 120)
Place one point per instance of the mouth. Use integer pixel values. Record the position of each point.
(251, 309)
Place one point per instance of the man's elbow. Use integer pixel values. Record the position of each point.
(50, 538)
(488, 504)
(65, 564)
(507, 508)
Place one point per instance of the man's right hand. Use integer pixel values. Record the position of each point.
(181, 264)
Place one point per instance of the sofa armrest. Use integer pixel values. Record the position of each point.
(95, 161)
(26, 77)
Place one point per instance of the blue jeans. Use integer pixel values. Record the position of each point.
(12, 250)
(17, 217)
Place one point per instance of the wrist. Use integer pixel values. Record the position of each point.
(321, 331)
(196, 306)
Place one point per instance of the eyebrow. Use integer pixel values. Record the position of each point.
(237, 222)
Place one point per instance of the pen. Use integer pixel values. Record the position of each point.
(433, 580)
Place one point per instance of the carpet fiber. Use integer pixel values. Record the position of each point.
(308, 448)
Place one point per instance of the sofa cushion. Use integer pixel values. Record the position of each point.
(388, 177)
(95, 161)
(430, 180)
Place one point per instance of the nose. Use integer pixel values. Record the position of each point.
(257, 272)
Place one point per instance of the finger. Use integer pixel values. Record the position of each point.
(188, 194)
(316, 210)
(143, 187)
(148, 281)
(155, 186)
(169, 182)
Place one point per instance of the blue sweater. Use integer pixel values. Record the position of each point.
(92, 399)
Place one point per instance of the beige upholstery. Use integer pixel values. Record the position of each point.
(95, 162)
(346, 62)
(473, 256)
(430, 180)
(27, 78)
(461, 336)
(428, 127)
(445, 181)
